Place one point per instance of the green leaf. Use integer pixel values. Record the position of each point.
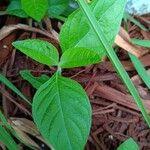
(114, 59)
(6, 124)
(140, 69)
(62, 113)
(137, 63)
(72, 6)
(39, 50)
(136, 22)
(4, 121)
(77, 57)
(6, 138)
(76, 32)
(129, 144)
(15, 8)
(35, 8)
(5, 81)
(56, 7)
(12, 129)
(35, 81)
(144, 43)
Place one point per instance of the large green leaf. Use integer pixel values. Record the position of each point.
(15, 8)
(129, 144)
(56, 7)
(35, 8)
(76, 32)
(6, 138)
(35, 81)
(38, 50)
(76, 57)
(62, 113)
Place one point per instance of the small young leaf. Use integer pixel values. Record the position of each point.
(76, 32)
(76, 57)
(56, 7)
(35, 81)
(38, 50)
(35, 8)
(5, 81)
(62, 113)
(15, 8)
(6, 138)
(129, 144)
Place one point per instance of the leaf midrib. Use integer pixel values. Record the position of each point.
(59, 101)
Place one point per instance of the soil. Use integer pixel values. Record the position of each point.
(115, 115)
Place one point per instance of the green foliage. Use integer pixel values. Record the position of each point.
(129, 144)
(140, 69)
(36, 82)
(62, 112)
(71, 7)
(15, 133)
(57, 7)
(144, 43)
(114, 59)
(15, 8)
(5, 81)
(133, 20)
(4, 121)
(35, 8)
(38, 50)
(76, 57)
(76, 31)
(6, 138)
(67, 106)
(137, 63)
(61, 108)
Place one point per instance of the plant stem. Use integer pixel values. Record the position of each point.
(113, 58)
(59, 70)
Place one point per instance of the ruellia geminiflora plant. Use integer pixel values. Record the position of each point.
(61, 108)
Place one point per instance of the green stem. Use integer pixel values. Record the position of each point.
(59, 70)
(114, 59)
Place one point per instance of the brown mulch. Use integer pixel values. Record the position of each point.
(115, 115)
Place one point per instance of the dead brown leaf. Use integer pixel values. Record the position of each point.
(6, 30)
(123, 40)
